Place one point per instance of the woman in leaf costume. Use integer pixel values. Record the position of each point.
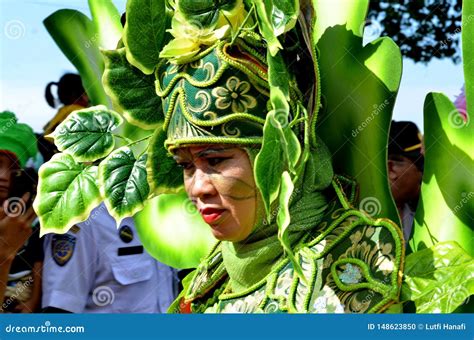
(232, 97)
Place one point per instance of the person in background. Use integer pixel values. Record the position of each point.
(405, 170)
(99, 268)
(21, 255)
(70, 94)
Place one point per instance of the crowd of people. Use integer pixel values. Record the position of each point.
(95, 267)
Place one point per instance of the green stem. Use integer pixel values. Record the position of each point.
(124, 138)
(243, 24)
(140, 140)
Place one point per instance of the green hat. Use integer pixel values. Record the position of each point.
(17, 138)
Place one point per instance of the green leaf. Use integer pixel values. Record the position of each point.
(131, 90)
(123, 183)
(75, 35)
(164, 175)
(204, 13)
(87, 134)
(446, 203)
(67, 193)
(173, 232)
(358, 96)
(266, 28)
(284, 14)
(106, 19)
(438, 279)
(269, 163)
(145, 32)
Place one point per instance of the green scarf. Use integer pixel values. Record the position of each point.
(248, 262)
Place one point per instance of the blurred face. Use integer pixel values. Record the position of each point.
(219, 181)
(405, 179)
(7, 170)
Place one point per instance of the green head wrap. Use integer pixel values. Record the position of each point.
(17, 138)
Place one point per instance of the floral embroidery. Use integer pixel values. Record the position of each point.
(351, 274)
(327, 302)
(234, 95)
(249, 304)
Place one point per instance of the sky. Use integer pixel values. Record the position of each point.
(29, 60)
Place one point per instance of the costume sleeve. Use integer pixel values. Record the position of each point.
(68, 270)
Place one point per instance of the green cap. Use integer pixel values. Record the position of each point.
(17, 138)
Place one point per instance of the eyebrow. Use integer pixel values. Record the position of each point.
(212, 150)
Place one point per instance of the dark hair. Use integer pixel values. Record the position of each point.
(70, 89)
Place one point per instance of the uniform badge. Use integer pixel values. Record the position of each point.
(126, 234)
(62, 248)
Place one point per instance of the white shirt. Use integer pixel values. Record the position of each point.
(104, 269)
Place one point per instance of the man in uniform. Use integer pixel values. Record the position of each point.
(405, 169)
(99, 268)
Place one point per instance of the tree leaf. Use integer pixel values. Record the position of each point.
(164, 175)
(145, 32)
(75, 35)
(67, 193)
(438, 279)
(106, 19)
(266, 28)
(204, 13)
(87, 134)
(131, 90)
(123, 183)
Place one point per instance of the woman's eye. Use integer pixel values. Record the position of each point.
(185, 165)
(216, 160)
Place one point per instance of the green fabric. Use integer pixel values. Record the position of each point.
(17, 138)
(220, 96)
(249, 261)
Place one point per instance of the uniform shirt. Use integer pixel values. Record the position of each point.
(97, 268)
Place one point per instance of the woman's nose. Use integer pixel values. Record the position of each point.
(201, 185)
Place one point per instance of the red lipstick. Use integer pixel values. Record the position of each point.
(211, 215)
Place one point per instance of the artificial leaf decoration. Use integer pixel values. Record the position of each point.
(123, 183)
(173, 232)
(267, 178)
(145, 33)
(87, 134)
(131, 90)
(445, 207)
(206, 13)
(283, 14)
(266, 28)
(106, 19)
(164, 175)
(358, 96)
(75, 35)
(67, 193)
(438, 279)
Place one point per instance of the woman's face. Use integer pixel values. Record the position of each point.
(219, 181)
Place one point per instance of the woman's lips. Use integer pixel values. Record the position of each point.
(211, 215)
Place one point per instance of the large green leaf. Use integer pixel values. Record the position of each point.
(438, 279)
(76, 36)
(145, 32)
(106, 19)
(87, 134)
(283, 14)
(131, 90)
(67, 193)
(173, 232)
(123, 183)
(269, 163)
(164, 175)
(266, 27)
(446, 205)
(468, 52)
(359, 85)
